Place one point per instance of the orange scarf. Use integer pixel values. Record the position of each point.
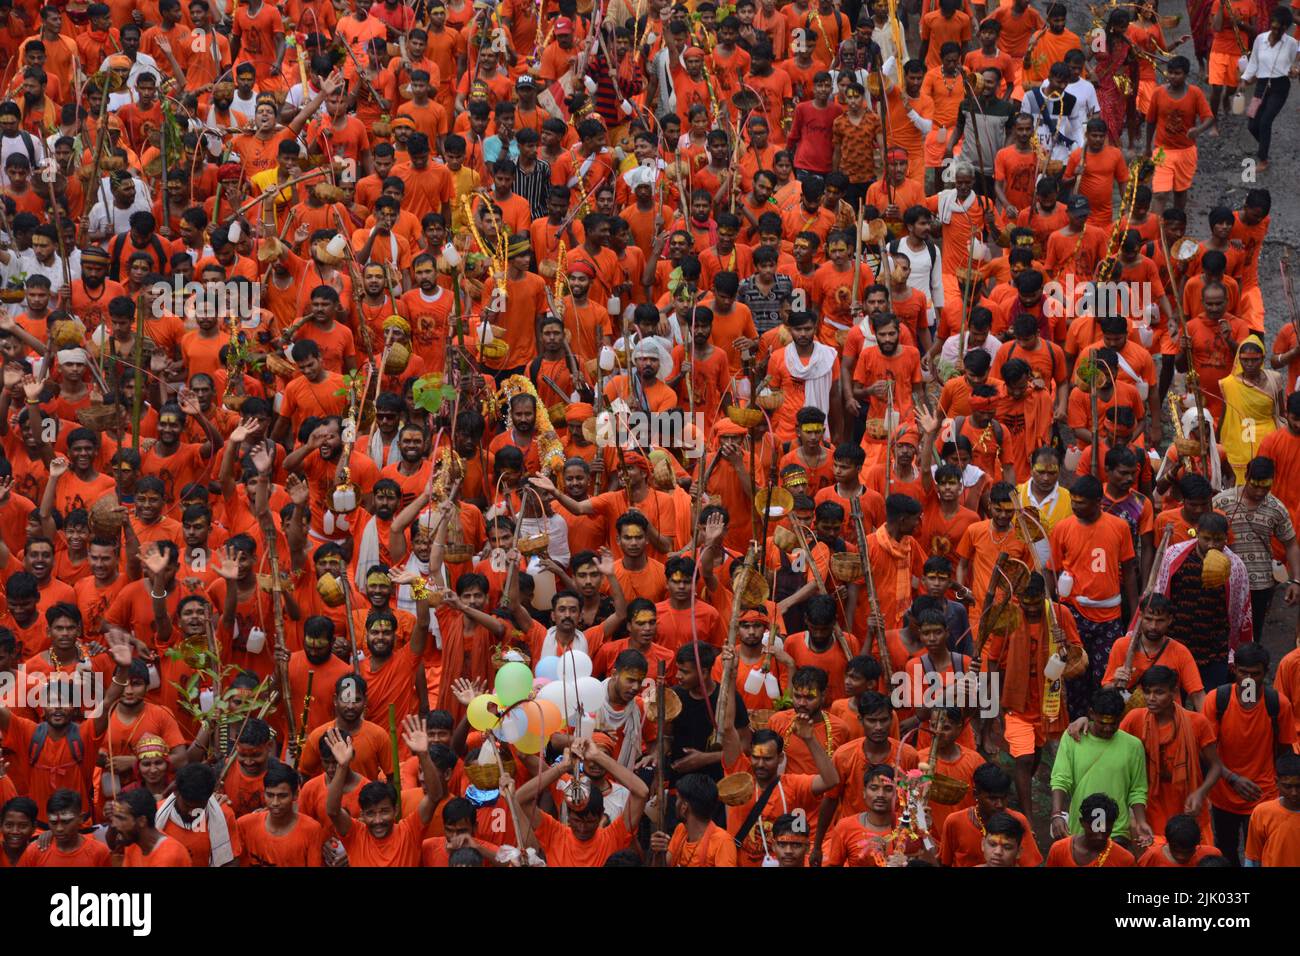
(1187, 771)
(900, 553)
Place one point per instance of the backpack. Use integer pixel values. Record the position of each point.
(929, 248)
(1223, 697)
(119, 243)
(42, 733)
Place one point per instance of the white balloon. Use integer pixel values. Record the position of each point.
(591, 692)
(563, 695)
(574, 665)
(513, 726)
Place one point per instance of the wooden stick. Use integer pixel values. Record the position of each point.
(661, 755)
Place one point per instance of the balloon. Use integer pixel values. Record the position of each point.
(548, 667)
(574, 665)
(591, 693)
(552, 719)
(514, 683)
(540, 682)
(479, 714)
(562, 694)
(529, 744)
(513, 725)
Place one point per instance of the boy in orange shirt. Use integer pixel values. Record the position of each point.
(1273, 837)
(377, 838)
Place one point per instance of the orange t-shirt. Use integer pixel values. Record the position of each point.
(1061, 855)
(301, 846)
(167, 852)
(1093, 554)
(400, 848)
(1274, 835)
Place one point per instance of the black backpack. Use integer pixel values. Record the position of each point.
(1223, 697)
(42, 733)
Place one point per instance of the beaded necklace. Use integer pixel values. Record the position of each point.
(830, 734)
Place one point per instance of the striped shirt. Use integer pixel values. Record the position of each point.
(533, 186)
(766, 309)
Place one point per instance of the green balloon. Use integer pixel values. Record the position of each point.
(514, 683)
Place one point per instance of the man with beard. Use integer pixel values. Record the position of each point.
(825, 731)
(113, 219)
(372, 534)
(132, 817)
(522, 433)
(66, 656)
(567, 633)
(93, 291)
(317, 658)
(780, 787)
(378, 589)
(653, 365)
(96, 591)
(43, 258)
(428, 308)
(174, 462)
(636, 497)
(62, 749)
(371, 750)
(320, 460)
(390, 670)
(588, 582)
(622, 714)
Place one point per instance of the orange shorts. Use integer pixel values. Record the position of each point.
(1223, 69)
(1023, 737)
(1176, 172)
(1252, 309)
(1145, 89)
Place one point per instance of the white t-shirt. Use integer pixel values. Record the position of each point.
(118, 220)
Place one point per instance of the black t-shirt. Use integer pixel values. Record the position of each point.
(692, 728)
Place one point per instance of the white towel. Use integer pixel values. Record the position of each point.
(210, 820)
(816, 374)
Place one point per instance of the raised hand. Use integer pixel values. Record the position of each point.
(414, 734)
(153, 559)
(401, 576)
(58, 467)
(32, 389)
(299, 491)
(263, 457)
(465, 691)
(225, 563)
(189, 402)
(340, 747)
(605, 562)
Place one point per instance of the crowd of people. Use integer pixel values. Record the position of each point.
(831, 404)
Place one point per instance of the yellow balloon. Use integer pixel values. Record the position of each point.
(529, 744)
(480, 717)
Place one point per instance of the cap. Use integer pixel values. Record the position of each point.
(1079, 206)
(563, 25)
(525, 79)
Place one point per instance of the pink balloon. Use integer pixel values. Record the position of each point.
(540, 682)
